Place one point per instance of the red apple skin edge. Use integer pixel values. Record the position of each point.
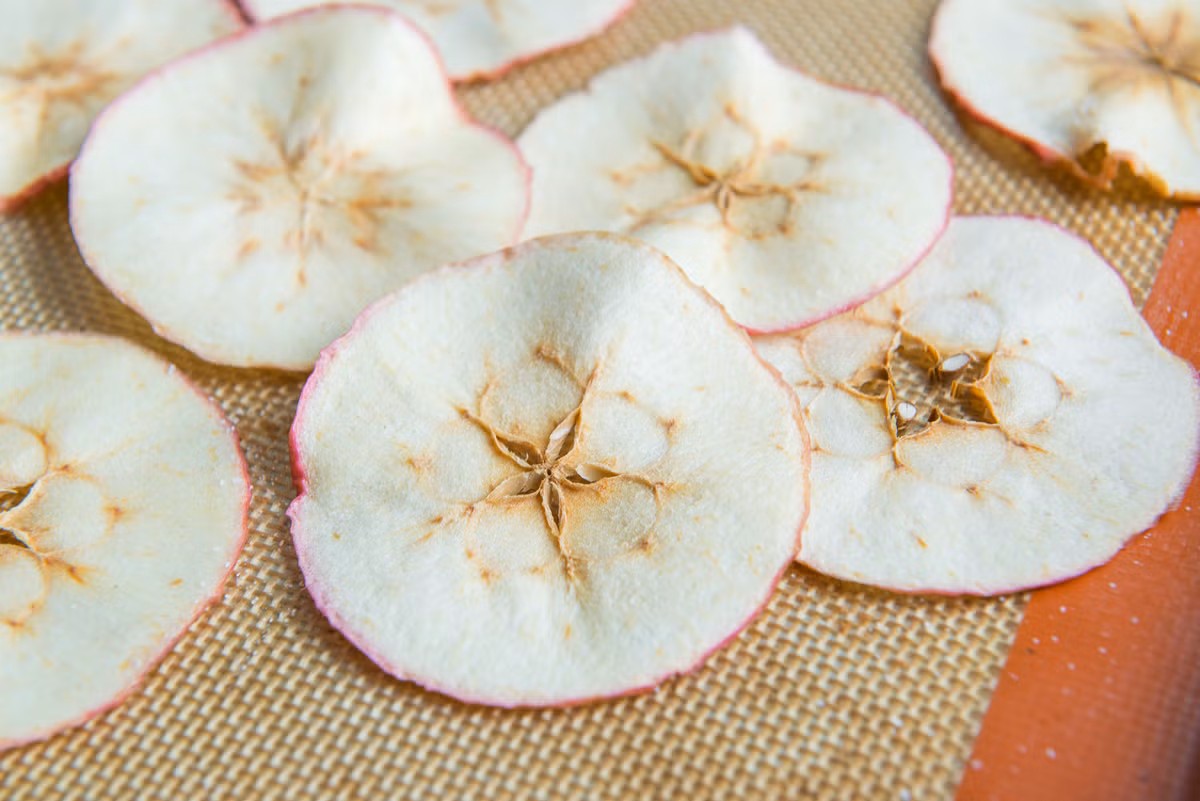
(11, 203)
(487, 75)
(166, 332)
(300, 479)
(1174, 502)
(152, 662)
(1050, 156)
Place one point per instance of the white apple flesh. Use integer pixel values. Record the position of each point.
(252, 199)
(484, 38)
(1093, 84)
(1001, 419)
(556, 474)
(123, 499)
(62, 61)
(758, 180)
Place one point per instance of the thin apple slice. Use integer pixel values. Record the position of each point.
(484, 38)
(61, 61)
(756, 179)
(1001, 419)
(123, 498)
(1080, 79)
(588, 486)
(252, 199)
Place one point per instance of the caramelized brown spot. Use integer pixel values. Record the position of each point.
(438, 8)
(74, 572)
(552, 357)
(420, 464)
(249, 246)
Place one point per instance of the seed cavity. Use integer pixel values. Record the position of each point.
(550, 477)
(730, 187)
(919, 387)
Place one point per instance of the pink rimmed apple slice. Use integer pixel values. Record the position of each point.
(61, 61)
(484, 38)
(123, 499)
(1079, 78)
(251, 199)
(1001, 419)
(556, 474)
(787, 199)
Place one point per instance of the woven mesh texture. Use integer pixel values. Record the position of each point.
(834, 692)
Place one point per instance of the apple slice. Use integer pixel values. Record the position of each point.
(252, 199)
(557, 474)
(757, 180)
(123, 499)
(484, 38)
(1076, 79)
(1001, 419)
(61, 61)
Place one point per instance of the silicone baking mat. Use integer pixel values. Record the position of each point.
(834, 692)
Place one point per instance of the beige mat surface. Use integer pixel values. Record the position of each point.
(835, 692)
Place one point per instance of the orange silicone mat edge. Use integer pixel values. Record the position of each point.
(1100, 696)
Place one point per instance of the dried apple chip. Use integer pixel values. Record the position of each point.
(483, 38)
(61, 61)
(1092, 83)
(123, 498)
(559, 473)
(250, 200)
(786, 198)
(1003, 418)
